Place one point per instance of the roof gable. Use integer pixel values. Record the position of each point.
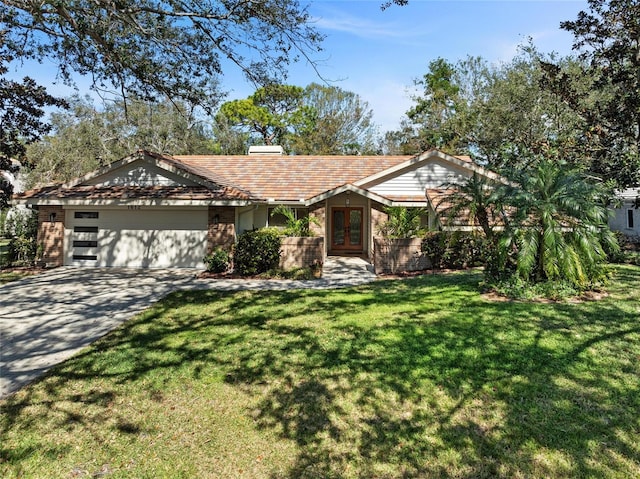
(140, 173)
(141, 176)
(428, 170)
(141, 169)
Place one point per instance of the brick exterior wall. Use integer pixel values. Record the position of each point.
(297, 252)
(51, 235)
(318, 211)
(223, 233)
(378, 217)
(399, 255)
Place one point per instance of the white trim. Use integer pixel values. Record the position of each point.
(411, 204)
(354, 189)
(125, 202)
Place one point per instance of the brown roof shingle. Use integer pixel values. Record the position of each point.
(289, 177)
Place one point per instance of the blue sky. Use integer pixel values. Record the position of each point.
(377, 54)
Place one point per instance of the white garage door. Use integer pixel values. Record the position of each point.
(146, 237)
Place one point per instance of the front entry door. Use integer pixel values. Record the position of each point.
(346, 229)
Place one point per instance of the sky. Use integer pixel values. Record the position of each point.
(378, 54)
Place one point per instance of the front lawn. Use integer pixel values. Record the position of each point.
(416, 378)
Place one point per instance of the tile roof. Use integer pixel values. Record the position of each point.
(241, 177)
(289, 178)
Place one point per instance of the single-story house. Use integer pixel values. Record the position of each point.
(626, 215)
(153, 210)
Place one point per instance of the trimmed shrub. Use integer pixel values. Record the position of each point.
(455, 249)
(257, 251)
(217, 261)
(21, 228)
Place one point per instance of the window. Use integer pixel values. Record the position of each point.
(424, 221)
(86, 215)
(281, 221)
(85, 229)
(85, 244)
(85, 257)
(630, 219)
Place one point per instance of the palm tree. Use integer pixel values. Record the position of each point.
(295, 226)
(477, 201)
(481, 201)
(403, 222)
(559, 225)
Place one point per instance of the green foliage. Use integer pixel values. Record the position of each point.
(295, 226)
(403, 222)
(22, 110)
(431, 123)
(338, 122)
(455, 249)
(151, 49)
(298, 274)
(87, 136)
(218, 261)
(607, 37)
(497, 112)
(21, 227)
(515, 287)
(553, 223)
(475, 200)
(559, 226)
(257, 251)
(268, 115)
(320, 120)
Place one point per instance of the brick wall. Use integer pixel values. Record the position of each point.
(51, 235)
(318, 211)
(222, 229)
(297, 252)
(378, 218)
(399, 255)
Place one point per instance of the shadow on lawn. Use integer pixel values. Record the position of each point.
(432, 388)
(538, 392)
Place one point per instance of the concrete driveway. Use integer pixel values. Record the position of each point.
(46, 318)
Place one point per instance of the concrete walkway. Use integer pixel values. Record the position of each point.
(46, 318)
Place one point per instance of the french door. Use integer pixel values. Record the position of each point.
(346, 229)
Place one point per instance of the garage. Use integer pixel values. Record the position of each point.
(136, 237)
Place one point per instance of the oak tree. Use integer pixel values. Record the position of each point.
(152, 49)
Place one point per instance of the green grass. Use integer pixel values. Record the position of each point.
(9, 275)
(416, 378)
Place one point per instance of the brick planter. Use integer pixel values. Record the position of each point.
(298, 252)
(399, 255)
